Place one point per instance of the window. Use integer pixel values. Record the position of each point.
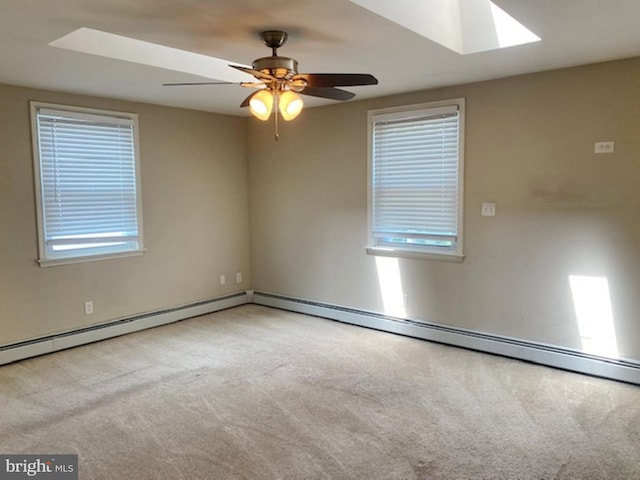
(87, 183)
(415, 180)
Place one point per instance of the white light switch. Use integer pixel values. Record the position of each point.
(488, 209)
(604, 147)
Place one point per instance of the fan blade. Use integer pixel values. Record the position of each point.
(197, 83)
(328, 92)
(336, 79)
(242, 84)
(253, 84)
(255, 73)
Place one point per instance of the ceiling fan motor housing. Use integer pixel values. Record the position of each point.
(280, 67)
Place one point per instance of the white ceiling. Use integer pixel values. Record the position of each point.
(328, 36)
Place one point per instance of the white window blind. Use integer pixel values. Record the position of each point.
(416, 179)
(89, 197)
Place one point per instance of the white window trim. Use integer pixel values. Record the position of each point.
(425, 253)
(43, 260)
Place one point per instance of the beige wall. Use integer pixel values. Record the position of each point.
(195, 214)
(561, 209)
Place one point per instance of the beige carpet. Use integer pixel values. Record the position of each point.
(257, 393)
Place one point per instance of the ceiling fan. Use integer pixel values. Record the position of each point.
(279, 83)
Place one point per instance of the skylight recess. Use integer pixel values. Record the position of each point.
(464, 26)
(104, 44)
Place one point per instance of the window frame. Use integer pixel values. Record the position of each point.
(48, 258)
(443, 253)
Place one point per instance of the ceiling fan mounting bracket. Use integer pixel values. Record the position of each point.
(274, 39)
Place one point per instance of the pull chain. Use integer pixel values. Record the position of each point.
(275, 116)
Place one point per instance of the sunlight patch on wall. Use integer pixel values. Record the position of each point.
(592, 303)
(393, 298)
(464, 26)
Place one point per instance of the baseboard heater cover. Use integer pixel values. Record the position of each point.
(40, 346)
(549, 355)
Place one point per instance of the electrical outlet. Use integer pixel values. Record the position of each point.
(88, 308)
(488, 209)
(604, 147)
(223, 279)
(239, 277)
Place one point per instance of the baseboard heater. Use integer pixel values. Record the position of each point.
(563, 358)
(549, 355)
(31, 348)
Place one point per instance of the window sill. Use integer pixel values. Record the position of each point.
(53, 262)
(423, 255)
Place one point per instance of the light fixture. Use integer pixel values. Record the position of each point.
(287, 103)
(261, 105)
(290, 105)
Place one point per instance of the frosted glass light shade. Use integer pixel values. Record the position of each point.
(290, 105)
(261, 105)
